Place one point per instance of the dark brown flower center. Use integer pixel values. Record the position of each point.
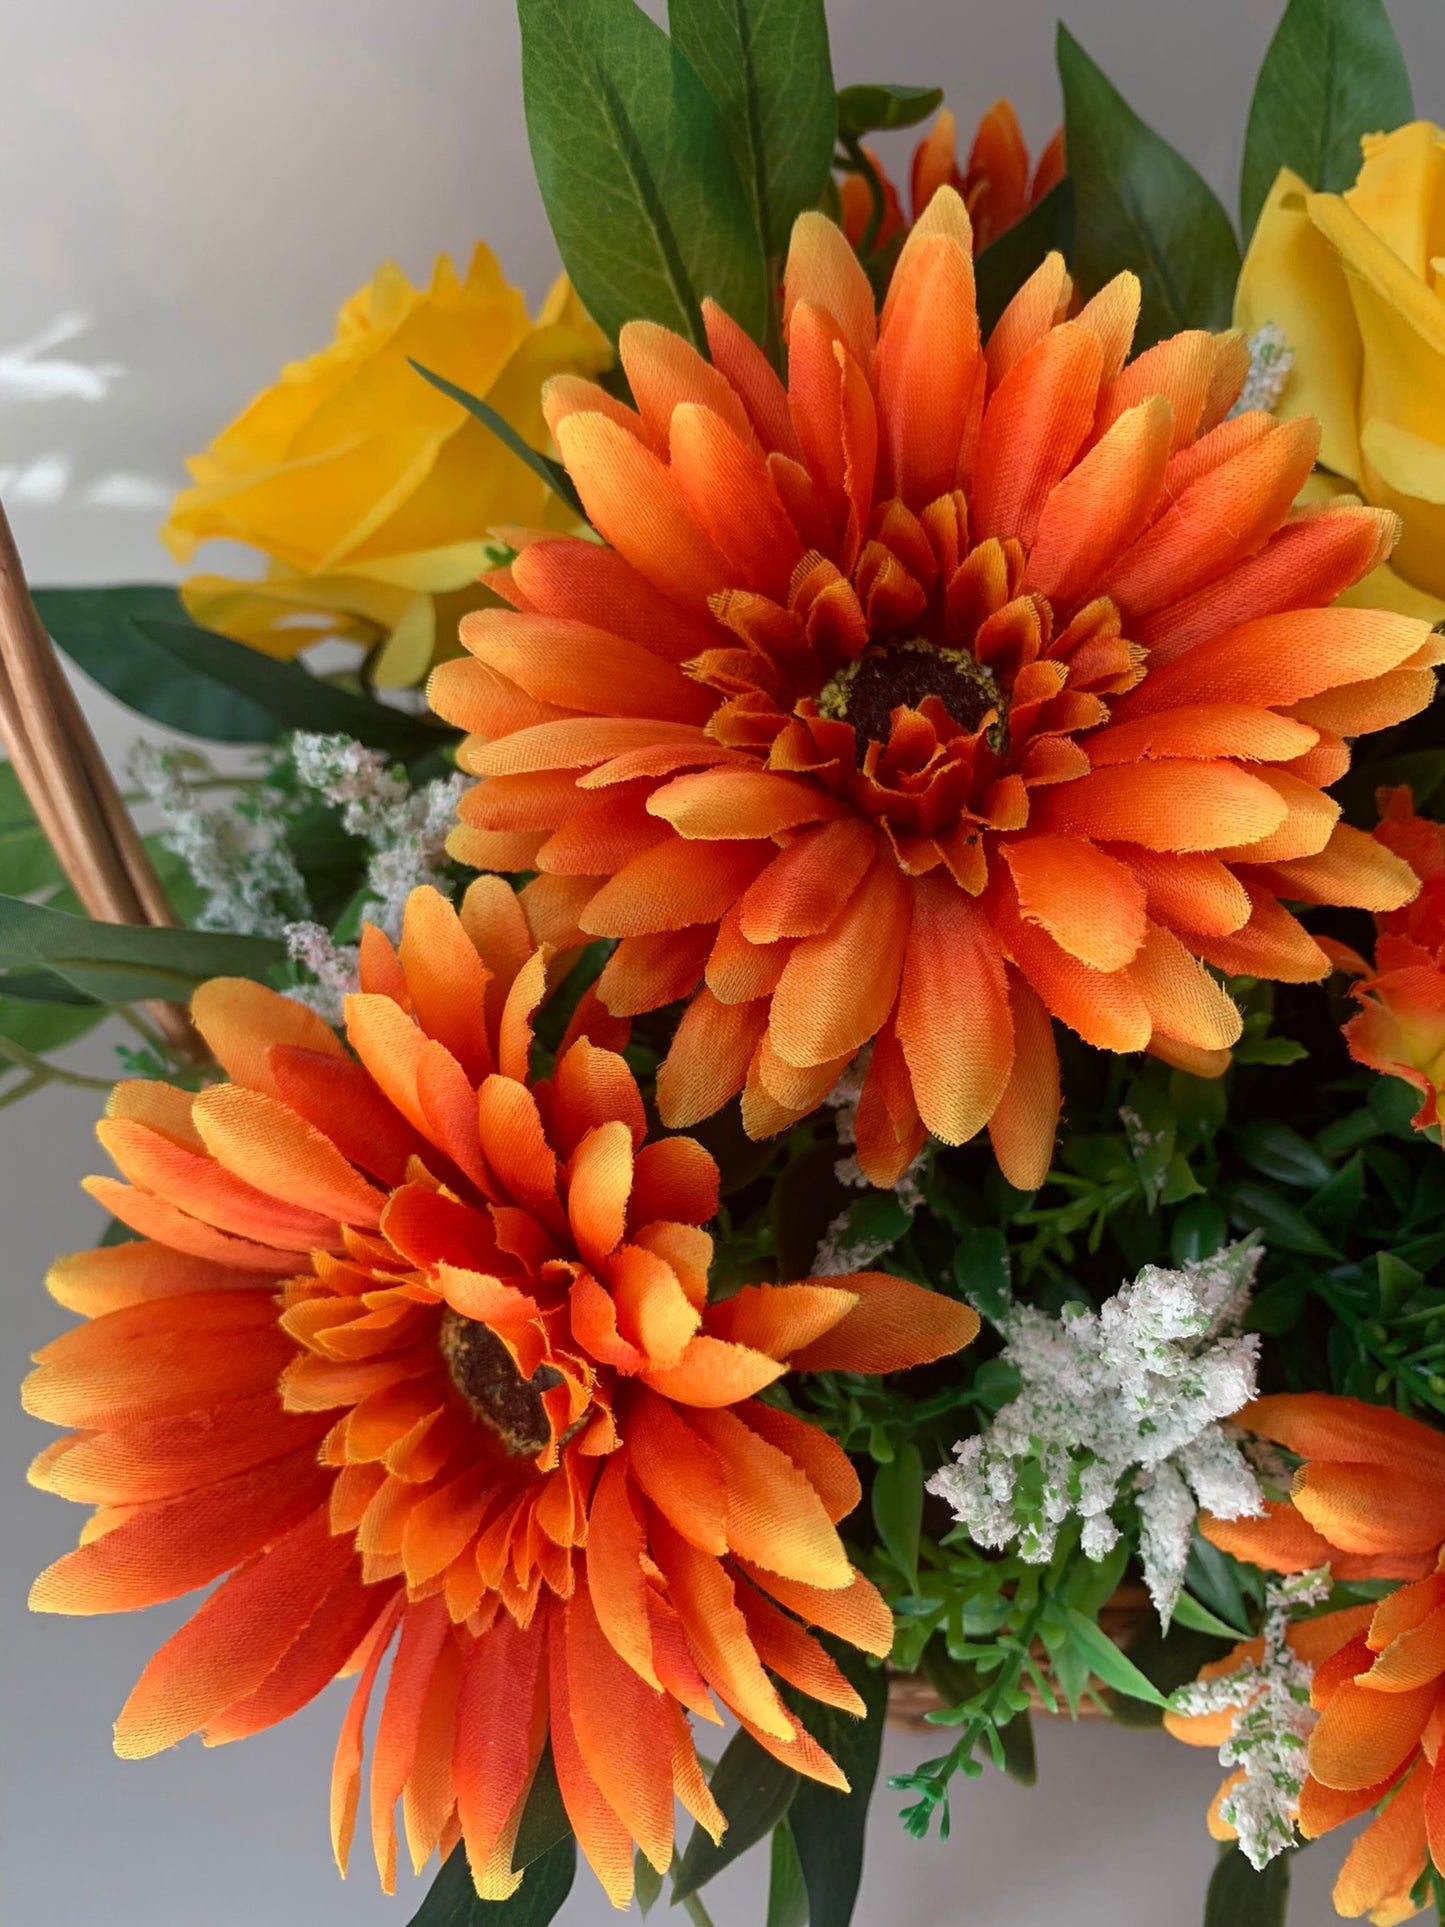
(890, 675)
(483, 1372)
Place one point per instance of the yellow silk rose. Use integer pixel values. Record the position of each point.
(1356, 281)
(369, 491)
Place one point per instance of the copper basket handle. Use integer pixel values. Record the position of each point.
(59, 766)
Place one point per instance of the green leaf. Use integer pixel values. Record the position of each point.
(875, 109)
(40, 987)
(1148, 1119)
(455, 1902)
(1277, 1051)
(38, 1027)
(1397, 1280)
(552, 473)
(829, 1827)
(981, 1266)
(137, 642)
(1334, 71)
(636, 172)
(1393, 1103)
(1240, 1897)
(647, 1881)
(876, 1221)
(1213, 1575)
(27, 862)
(1106, 1662)
(754, 1791)
(898, 1508)
(787, 1893)
(1199, 1619)
(1092, 1581)
(766, 64)
(1005, 264)
(544, 1818)
(1140, 205)
(119, 963)
(1019, 1759)
(1282, 1154)
(1255, 1207)
(1198, 1231)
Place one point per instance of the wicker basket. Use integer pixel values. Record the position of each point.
(911, 1698)
(59, 766)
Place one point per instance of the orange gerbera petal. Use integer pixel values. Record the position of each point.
(954, 1022)
(1385, 1862)
(453, 1379)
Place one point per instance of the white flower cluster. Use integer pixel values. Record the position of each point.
(1272, 1724)
(1125, 1401)
(1270, 360)
(406, 828)
(237, 855)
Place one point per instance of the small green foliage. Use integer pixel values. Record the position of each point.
(875, 108)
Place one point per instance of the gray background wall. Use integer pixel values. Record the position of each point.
(194, 187)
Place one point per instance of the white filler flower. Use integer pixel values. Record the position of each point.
(1273, 1719)
(1270, 361)
(1125, 1401)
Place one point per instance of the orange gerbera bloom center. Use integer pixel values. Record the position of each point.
(925, 687)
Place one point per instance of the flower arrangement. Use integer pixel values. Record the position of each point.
(810, 1067)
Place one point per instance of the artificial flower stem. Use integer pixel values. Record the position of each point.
(39, 1067)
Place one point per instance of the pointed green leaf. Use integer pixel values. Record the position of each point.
(1282, 1154)
(1240, 1897)
(27, 862)
(39, 1028)
(119, 963)
(1334, 71)
(454, 1901)
(878, 108)
(981, 1267)
(1140, 205)
(787, 1893)
(138, 642)
(754, 1791)
(1106, 1662)
(636, 171)
(544, 1818)
(1199, 1619)
(898, 1508)
(647, 1881)
(1257, 1207)
(766, 64)
(1005, 264)
(829, 1828)
(552, 473)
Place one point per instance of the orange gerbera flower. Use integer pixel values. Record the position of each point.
(1369, 1500)
(995, 185)
(1401, 1029)
(950, 690)
(411, 1346)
